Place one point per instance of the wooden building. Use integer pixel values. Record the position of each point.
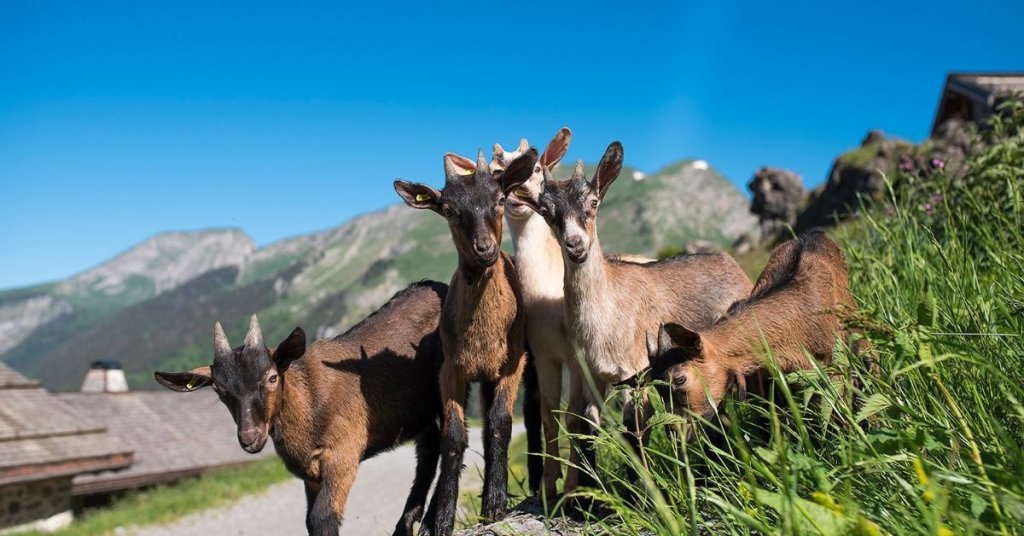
(44, 445)
(973, 97)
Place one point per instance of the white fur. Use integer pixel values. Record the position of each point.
(540, 266)
(573, 230)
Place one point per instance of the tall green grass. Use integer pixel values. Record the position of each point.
(929, 443)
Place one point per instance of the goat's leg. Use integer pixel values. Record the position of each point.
(428, 449)
(497, 432)
(312, 489)
(573, 425)
(591, 419)
(549, 379)
(453, 447)
(324, 517)
(532, 420)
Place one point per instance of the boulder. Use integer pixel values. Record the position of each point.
(854, 176)
(526, 518)
(778, 196)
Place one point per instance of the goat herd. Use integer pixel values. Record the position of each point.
(694, 321)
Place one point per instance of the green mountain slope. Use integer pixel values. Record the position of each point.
(145, 309)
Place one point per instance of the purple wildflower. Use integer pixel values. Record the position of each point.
(938, 163)
(936, 198)
(905, 163)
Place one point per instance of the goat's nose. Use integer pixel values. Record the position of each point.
(483, 248)
(574, 243)
(248, 436)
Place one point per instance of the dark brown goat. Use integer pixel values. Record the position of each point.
(481, 326)
(793, 307)
(346, 400)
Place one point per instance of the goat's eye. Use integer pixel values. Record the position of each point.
(594, 203)
(544, 211)
(447, 211)
(679, 381)
(501, 201)
(272, 379)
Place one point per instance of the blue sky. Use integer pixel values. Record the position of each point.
(120, 120)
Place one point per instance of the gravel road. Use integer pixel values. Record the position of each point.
(373, 508)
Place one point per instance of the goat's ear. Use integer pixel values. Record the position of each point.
(683, 337)
(418, 195)
(608, 169)
(290, 349)
(185, 382)
(519, 171)
(458, 166)
(556, 148)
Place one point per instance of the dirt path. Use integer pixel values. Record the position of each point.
(373, 508)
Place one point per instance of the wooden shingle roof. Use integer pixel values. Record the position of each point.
(173, 435)
(41, 437)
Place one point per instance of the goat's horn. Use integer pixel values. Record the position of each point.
(523, 145)
(221, 346)
(664, 340)
(254, 338)
(652, 347)
(498, 149)
(578, 172)
(481, 165)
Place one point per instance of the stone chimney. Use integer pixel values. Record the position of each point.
(105, 377)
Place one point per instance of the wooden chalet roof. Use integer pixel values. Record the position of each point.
(41, 437)
(972, 96)
(173, 436)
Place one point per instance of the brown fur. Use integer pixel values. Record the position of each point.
(793, 306)
(349, 398)
(481, 324)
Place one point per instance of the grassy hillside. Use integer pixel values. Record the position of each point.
(931, 444)
(139, 308)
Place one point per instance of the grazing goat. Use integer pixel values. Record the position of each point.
(346, 400)
(538, 259)
(481, 325)
(612, 305)
(793, 306)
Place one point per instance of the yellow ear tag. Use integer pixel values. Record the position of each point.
(468, 172)
(521, 192)
(422, 197)
(191, 384)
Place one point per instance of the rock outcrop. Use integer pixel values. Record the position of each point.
(779, 194)
(855, 176)
(527, 518)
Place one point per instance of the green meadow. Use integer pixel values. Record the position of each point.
(929, 443)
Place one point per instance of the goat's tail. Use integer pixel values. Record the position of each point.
(531, 418)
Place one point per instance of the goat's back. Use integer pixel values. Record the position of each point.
(381, 375)
(794, 301)
(611, 318)
(694, 290)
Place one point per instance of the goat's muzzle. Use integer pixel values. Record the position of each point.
(252, 440)
(486, 253)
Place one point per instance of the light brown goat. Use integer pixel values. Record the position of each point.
(611, 305)
(338, 402)
(541, 273)
(481, 325)
(792, 309)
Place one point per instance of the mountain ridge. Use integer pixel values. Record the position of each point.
(151, 305)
